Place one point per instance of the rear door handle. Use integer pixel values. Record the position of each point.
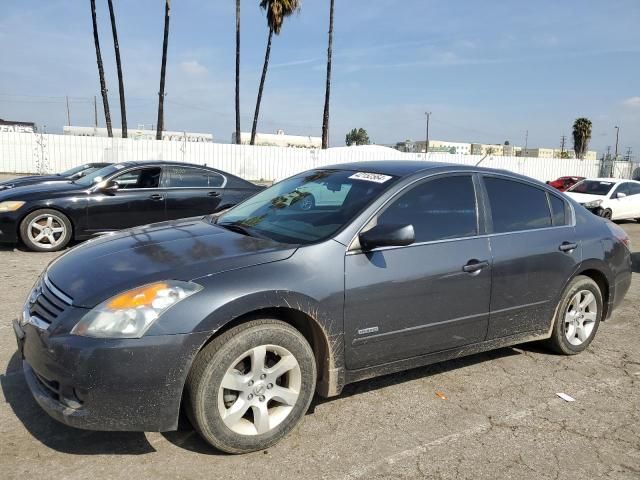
(568, 246)
(156, 197)
(474, 266)
(213, 194)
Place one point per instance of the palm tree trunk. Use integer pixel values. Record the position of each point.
(103, 84)
(238, 72)
(116, 46)
(163, 71)
(260, 90)
(327, 95)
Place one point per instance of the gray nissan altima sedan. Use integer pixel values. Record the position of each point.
(333, 276)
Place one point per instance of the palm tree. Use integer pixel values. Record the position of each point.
(276, 10)
(581, 136)
(103, 83)
(116, 46)
(163, 70)
(325, 118)
(238, 72)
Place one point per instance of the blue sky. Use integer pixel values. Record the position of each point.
(488, 70)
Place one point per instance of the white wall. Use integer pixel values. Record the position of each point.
(36, 153)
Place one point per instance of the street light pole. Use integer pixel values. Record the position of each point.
(617, 138)
(426, 143)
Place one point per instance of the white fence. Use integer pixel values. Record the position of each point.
(44, 153)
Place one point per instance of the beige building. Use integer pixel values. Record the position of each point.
(487, 149)
(554, 153)
(279, 139)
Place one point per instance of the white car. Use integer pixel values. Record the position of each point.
(612, 198)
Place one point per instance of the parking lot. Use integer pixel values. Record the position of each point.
(493, 415)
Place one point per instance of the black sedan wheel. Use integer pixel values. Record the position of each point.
(45, 231)
(251, 386)
(578, 317)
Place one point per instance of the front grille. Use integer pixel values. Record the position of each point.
(50, 303)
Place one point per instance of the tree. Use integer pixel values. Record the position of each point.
(163, 70)
(325, 117)
(238, 72)
(277, 11)
(103, 83)
(357, 136)
(581, 136)
(116, 46)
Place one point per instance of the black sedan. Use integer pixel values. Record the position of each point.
(74, 173)
(46, 217)
(240, 318)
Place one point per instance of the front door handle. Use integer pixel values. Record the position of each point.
(213, 194)
(568, 246)
(156, 197)
(474, 266)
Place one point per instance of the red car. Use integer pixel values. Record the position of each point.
(563, 183)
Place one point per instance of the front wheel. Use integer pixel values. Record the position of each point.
(45, 230)
(251, 386)
(578, 317)
(607, 213)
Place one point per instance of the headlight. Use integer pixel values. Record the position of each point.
(10, 206)
(131, 313)
(593, 204)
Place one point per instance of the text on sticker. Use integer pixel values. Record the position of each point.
(370, 177)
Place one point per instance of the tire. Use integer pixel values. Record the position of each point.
(230, 357)
(46, 230)
(638, 220)
(567, 336)
(607, 214)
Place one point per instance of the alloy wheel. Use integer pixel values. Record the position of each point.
(580, 317)
(259, 390)
(47, 231)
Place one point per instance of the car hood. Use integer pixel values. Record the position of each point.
(178, 250)
(31, 179)
(26, 190)
(585, 197)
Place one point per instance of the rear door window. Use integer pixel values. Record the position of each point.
(184, 177)
(439, 209)
(516, 206)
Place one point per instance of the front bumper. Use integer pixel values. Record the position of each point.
(9, 222)
(105, 384)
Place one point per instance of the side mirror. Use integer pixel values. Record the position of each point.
(77, 176)
(621, 195)
(109, 187)
(387, 236)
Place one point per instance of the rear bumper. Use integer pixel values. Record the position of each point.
(113, 385)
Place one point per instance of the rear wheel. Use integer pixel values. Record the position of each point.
(45, 230)
(578, 317)
(251, 386)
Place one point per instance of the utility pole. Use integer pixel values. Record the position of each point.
(95, 111)
(68, 112)
(617, 138)
(526, 140)
(426, 143)
(627, 157)
(563, 143)
(608, 152)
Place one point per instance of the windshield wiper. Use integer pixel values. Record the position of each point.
(235, 227)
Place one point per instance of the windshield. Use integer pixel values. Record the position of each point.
(592, 187)
(98, 175)
(307, 208)
(73, 171)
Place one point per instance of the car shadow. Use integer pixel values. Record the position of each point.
(60, 437)
(635, 262)
(187, 438)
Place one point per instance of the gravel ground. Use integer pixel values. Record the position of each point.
(501, 417)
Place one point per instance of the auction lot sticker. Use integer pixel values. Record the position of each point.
(371, 177)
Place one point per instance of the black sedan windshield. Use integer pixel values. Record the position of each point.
(98, 175)
(72, 171)
(592, 187)
(306, 208)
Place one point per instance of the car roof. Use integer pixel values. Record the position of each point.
(147, 163)
(398, 168)
(610, 180)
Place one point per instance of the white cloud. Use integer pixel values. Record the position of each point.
(193, 68)
(632, 102)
